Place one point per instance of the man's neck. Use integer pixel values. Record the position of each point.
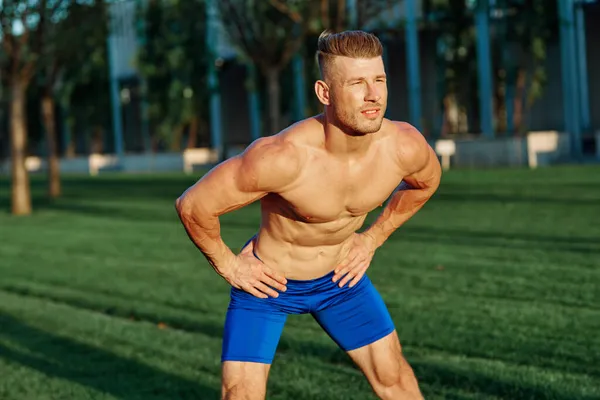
(343, 142)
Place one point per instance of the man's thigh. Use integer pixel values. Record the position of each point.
(359, 322)
(251, 335)
(356, 317)
(252, 331)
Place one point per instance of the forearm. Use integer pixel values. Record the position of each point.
(204, 230)
(405, 203)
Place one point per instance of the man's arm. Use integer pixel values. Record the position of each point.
(420, 183)
(269, 165)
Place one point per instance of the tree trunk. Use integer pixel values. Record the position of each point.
(176, 139)
(342, 15)
(97, 145)
(21, 193)
(274, 95)
(519, 99)
(325, 13)
(52, 156)
(193, 135)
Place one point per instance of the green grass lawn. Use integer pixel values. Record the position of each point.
(494, 287)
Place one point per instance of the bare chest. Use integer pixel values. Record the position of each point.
(330, 191)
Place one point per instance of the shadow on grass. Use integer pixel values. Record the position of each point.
(483, 197)
(129, 213)
(110, 188)
(210, 323)
(472, 381)
(95, 368)
(509, 241)
(205, 324)
(85, 297)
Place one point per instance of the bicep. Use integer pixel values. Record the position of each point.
(419, 161)
(427, 171)
(223, 189)
(264, 167)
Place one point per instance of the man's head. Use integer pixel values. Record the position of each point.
(353, 83)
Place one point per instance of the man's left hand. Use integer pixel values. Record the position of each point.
(358, 259)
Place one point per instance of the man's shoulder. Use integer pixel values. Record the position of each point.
(405, 132)
(281, 155)
(307, 132)
(272, 152)
(410, 145)
(288, 144)
(405, 137)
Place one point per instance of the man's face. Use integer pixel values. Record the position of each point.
(358, 93)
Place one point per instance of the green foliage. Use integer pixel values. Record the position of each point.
(79, 52)
(61, 46)
(172, 61)
(266, 32)
(520, 33)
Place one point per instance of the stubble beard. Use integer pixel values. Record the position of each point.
(353, 123)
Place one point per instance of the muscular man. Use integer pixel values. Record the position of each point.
(316, 182)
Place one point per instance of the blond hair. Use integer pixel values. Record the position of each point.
(352, 44)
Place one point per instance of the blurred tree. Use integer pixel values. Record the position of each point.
(268, 33)
(39, 39)
(23, 25)
(70, 48)
(82, 89)
(172, 62)
(525, 29)
(520, 33)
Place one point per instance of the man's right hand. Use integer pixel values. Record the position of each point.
(248, 273)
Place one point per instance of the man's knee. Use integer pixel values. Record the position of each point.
(244, 381)
(397, 390)
(398, 382)
(246, 388)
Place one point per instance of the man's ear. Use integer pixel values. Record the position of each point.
(323, 93)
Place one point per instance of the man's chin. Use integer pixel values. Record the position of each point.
(369, 127)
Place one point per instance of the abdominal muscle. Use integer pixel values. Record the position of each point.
(302, 250)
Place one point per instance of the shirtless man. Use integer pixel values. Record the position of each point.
(316, 182)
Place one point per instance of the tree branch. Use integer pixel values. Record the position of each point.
(284, 9)
(240, 33)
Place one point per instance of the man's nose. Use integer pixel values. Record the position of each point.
(373, 93)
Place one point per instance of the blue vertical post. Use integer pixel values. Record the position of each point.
(141, 36)
(484, 68)
(352, 14)
(299, 86)
(569, 78)
(386, 60)
(574, 81)
(509, 69)
(582, 72)
(412, 60)
(253, 101)
(213, 79)
(115, 98)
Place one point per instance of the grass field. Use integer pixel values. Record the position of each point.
(494, 287)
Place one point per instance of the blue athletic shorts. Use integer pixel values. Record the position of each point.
(352, 317)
